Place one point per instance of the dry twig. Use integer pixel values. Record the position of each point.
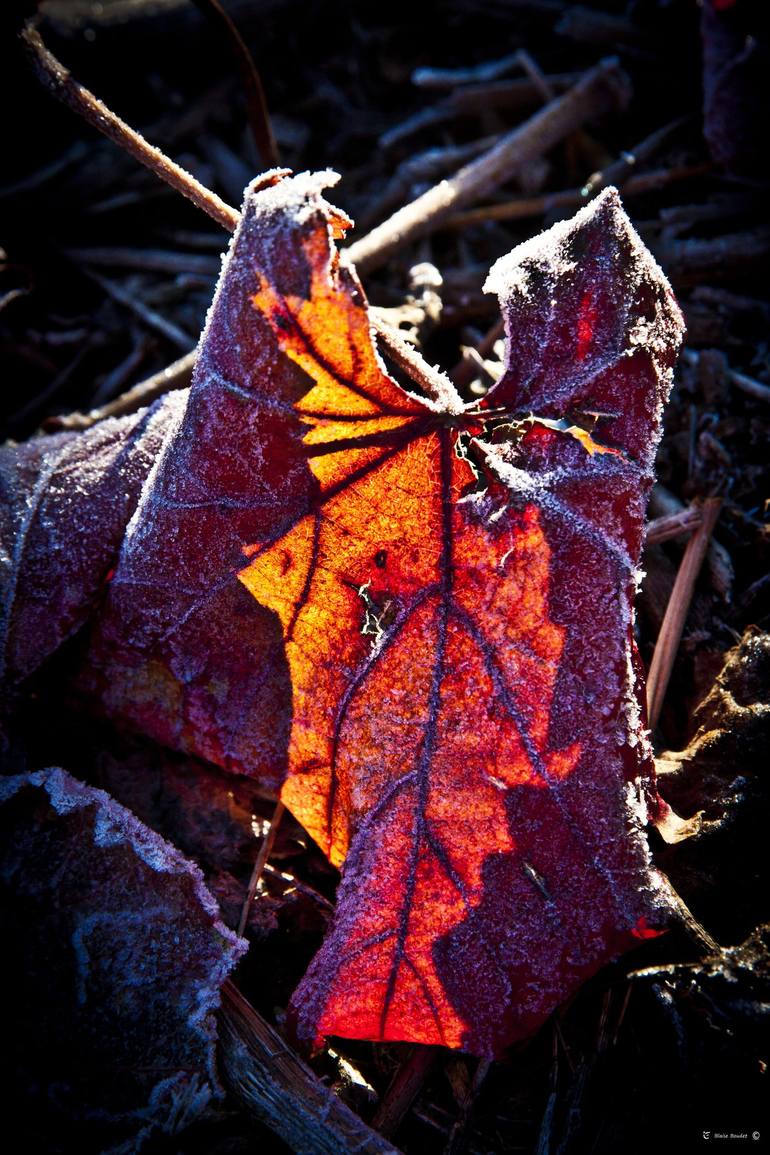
(63, 85)
(174, 376)
(276, 1087)
(405, 1087)
(523, 207)
(259, 866)
(676, 611)
(672, 525)
(603, 88)
(746, 384)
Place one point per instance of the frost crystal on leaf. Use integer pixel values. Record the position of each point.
(116, 954)
(415, 614)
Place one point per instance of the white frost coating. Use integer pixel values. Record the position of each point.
(545, 247)
(521, 276)
(538, 488)
(259, 203)
(179, 408)
(157, 914)
(13, 565)
(303, 203)
(113, 825)
(12, 785)
(631, 705)
(547, 244)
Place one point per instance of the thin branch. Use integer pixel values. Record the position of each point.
(601, 89)
(468, 366)
(56, 77)
(265, 851)
(256, 103)
(276, 1087)
(148, 260)
(62, 84)
(746, 384)
(672, 525)
(619, 169)
(524, 207)
(405, 1087)
(676, 612)
(663, 503)
(432, 381)
(685, 917)
(177, 375)
(150, 317)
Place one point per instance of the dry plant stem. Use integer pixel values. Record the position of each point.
(749, 385)
(265, 851)
(663, 503)
(676, 612)
(616, 172)
(259, 117)
(151, 318)
(746, 384)
(601, 89)
(112, 384)
(449, 77)
(276, 1087)
(459, 1134)
(407, 358)
(524, 207)
(686, 918)
(696, 259)
(61, 83)
(467, 368)
(156, 260)
(406, 1085)
(474, 99)
(672, 525)
(176, 376)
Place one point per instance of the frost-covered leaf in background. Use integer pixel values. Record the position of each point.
(65, 502)
(115, 955)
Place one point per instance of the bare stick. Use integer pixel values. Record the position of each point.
(473, 99)
(259, 866)
(434, 383)
(693, 260)
(619, 169)
(745, 384)
(601, 89)
(663, 503)
(62, 84)
(524, 207)
(150, 317)
(459, 1132)
(278, 1089)
(467, 367)
(177, 375)
(685, 917)
(405, 1087)
(672, 525)
(676, 612)
(154, 260)
(259, 117)
(450, 77)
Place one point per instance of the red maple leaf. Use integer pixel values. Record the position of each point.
(419, 612)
